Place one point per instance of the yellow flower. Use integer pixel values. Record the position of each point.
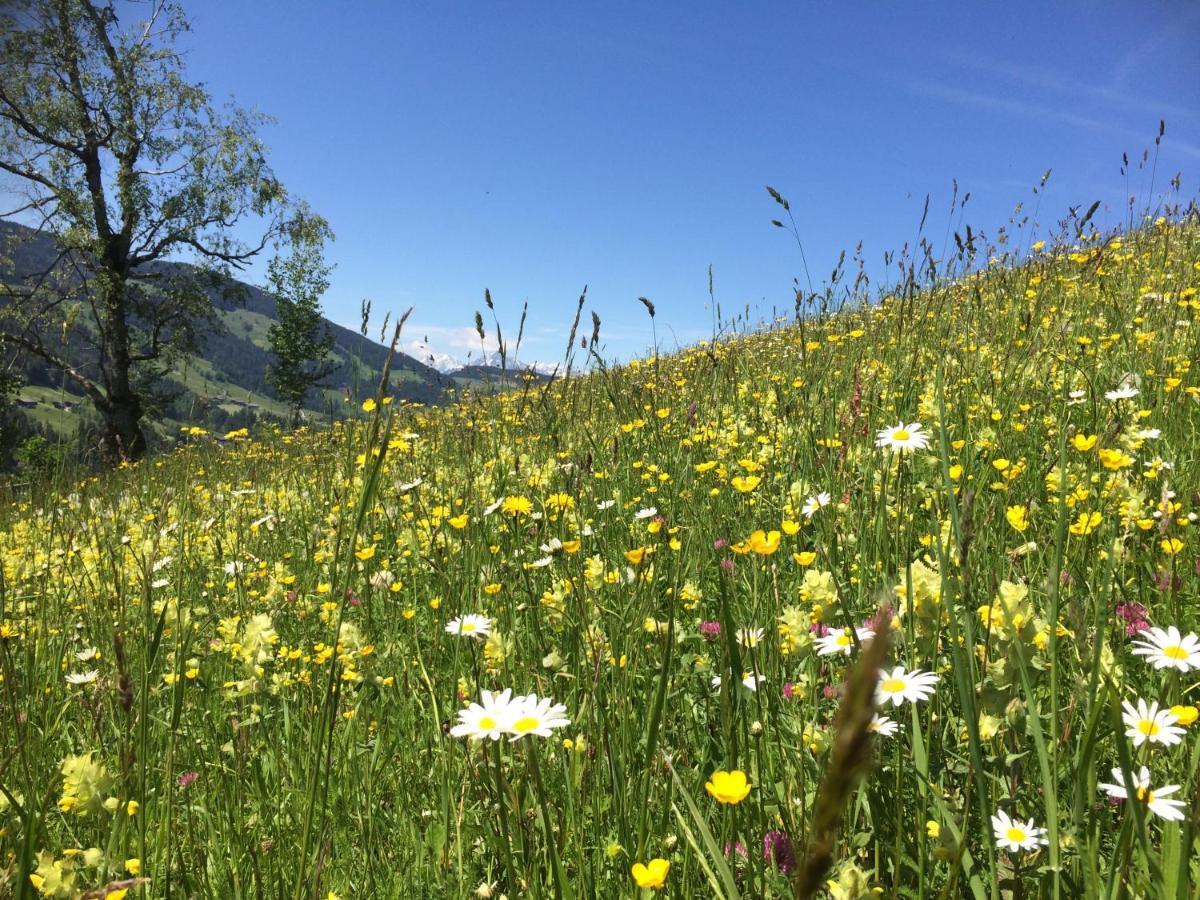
(85, 782)
(1086, 523)
(933, 829)
(459, 522)
(132, 807)
(653, 874)
(728, 787)
(764, 544)
(1171, 546)
(365, 553)
(1186, 715)
(1017, 517)
(368, 405)
(635, 556)
(745, 483)
(133, 866)
(1084, 442)
(518, 506)
(804, 558)
(1112, 458)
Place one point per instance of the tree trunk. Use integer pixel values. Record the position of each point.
(123, 440)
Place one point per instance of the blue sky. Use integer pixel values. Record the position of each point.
(535, 148)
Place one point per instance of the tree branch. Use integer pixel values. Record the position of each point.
(93, 390)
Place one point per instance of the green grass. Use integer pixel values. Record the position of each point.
(275, 686)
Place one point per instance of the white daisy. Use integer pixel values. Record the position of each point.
(1076, 398)
(495, 506)
(814, 503)
(605, 504)
(750, 637)
(903, 438)
(1014, 835)
(1164, 809)
(536, 715)
(489, 719)
(900, 685)
(841, 642)
(1168, 649)
(750, 681)
(1149, 723)
(882, 725)
(81, 678)
(648, 512)
(471, 625)
(88, 654)
(1123, 392)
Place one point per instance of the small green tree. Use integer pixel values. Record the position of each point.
(300, 338)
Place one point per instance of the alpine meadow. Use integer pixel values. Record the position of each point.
(894, 594)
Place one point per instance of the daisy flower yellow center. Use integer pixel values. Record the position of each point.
(1145, 795)
(891, 685)
(1148, 727)
(1175, 652)
(487, 723)
(525, 724)
(467, 627)
(843, 640)
(901, 434)
(1015, 834)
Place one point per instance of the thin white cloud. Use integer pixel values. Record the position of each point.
(1057, 82)
(1031, 110)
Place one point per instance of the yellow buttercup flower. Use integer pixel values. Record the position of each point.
(1112, 458)
(728, 787)
(653, 874)
(1186, 715)
(1084, 442)
(764, 544)
(745, 483)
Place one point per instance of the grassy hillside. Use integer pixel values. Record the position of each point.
(243, 670)
(230, 372)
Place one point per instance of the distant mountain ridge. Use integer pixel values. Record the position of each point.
(229, 373)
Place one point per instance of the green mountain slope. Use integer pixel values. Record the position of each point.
(227, 380)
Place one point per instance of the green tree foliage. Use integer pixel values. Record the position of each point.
(300, 339)
(108, 147)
